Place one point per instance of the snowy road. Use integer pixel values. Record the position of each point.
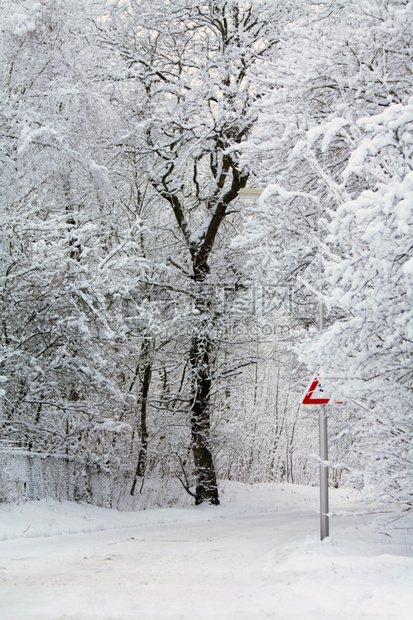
(223, 563)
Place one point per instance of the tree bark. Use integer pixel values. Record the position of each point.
(206, 485)
(143, 399)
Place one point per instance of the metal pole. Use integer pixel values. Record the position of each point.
(324, 519)
(323, 439)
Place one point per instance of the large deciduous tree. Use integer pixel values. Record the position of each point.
(192, 65)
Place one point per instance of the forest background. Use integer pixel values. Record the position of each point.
(156, 325)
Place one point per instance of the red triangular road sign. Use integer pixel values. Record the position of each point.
(317, 399)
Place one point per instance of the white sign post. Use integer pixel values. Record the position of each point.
(315, 396)
(324, 510)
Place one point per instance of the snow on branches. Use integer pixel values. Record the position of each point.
(368, 275)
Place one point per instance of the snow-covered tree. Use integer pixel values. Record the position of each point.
(368, 270)
(329, 72)
(62, 247)
(190, 68)
(335, 137)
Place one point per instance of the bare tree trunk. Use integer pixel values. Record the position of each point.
(206, 485)
(143, 399)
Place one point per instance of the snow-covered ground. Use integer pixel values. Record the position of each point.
(257, 556)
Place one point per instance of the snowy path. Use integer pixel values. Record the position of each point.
(223, 563)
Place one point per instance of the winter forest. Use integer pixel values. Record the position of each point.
(159, 327)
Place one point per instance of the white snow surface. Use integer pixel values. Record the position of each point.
(256, 556)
